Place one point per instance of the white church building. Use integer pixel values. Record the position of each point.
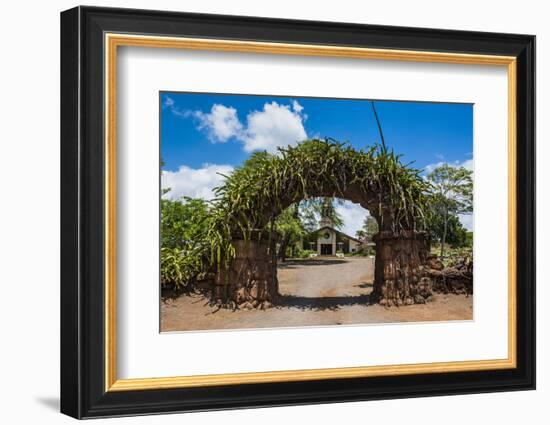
(329, 241)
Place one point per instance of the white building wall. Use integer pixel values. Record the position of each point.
(353, 245)
(331, 239)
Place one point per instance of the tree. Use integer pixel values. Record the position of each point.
(314, 212)
(457, 236)
(369, 229)
(290, 227)
(451, 194)
(308, 217)
(183, 222)
(327, 211)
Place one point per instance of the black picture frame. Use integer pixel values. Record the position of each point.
(83, 392)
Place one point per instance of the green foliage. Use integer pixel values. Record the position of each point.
(306, 253)
(327, 211)
(456, 236)
(452, 188)
(322, 207)
(290, 229)
(308, 217)
(184, 240)
(184, 222)
(453, 254)
(288, 224)
(451, 194)
(369, 229)
(179, 268)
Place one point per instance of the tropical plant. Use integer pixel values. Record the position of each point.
(185, 247)
(180, 268)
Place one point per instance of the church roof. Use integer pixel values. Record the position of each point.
(337, 231)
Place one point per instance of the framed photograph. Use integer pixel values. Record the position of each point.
(261, 212)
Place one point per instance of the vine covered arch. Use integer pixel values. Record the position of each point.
(243, 234)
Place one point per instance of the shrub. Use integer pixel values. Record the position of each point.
(185, 247)
(178, 268)
(305, 253)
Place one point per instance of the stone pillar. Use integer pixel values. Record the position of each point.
(251, 279)
(399, 268)
(333, 237)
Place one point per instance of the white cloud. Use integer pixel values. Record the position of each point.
(168, 102)
(353, 216)
(468, 164)
(195, 183)
(467, 220)
(274, 126)
(430, 167)
(221, 123)
(296, 107)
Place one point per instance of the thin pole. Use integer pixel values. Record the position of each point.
(379, 126)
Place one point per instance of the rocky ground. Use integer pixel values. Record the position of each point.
(315, 292)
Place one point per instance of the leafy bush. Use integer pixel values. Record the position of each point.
(185, 246)
(305, 253)
(451, 255)
(363, 252)
(178, 269)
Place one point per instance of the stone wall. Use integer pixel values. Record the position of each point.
(400, 277)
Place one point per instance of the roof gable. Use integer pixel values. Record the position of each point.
(336, 231)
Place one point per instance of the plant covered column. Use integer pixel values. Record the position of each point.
(399, 268)
(251, 279)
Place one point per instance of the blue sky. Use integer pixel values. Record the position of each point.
(203, 135)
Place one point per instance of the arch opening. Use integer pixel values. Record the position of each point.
(245, 238)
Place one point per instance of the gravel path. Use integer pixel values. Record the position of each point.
(316, 292)
(326, 282)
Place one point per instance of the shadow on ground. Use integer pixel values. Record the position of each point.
(322, 303)
(289, 264)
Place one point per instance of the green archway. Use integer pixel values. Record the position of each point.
(243, 236)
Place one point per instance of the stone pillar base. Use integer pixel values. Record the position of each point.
(400, 277)
(251, 280)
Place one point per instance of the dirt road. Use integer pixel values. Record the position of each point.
(315, 292)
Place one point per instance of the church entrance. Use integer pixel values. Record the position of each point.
(326, 249)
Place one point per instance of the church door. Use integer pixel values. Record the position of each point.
(326, 249)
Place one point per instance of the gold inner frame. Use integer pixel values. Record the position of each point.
(113, 41)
